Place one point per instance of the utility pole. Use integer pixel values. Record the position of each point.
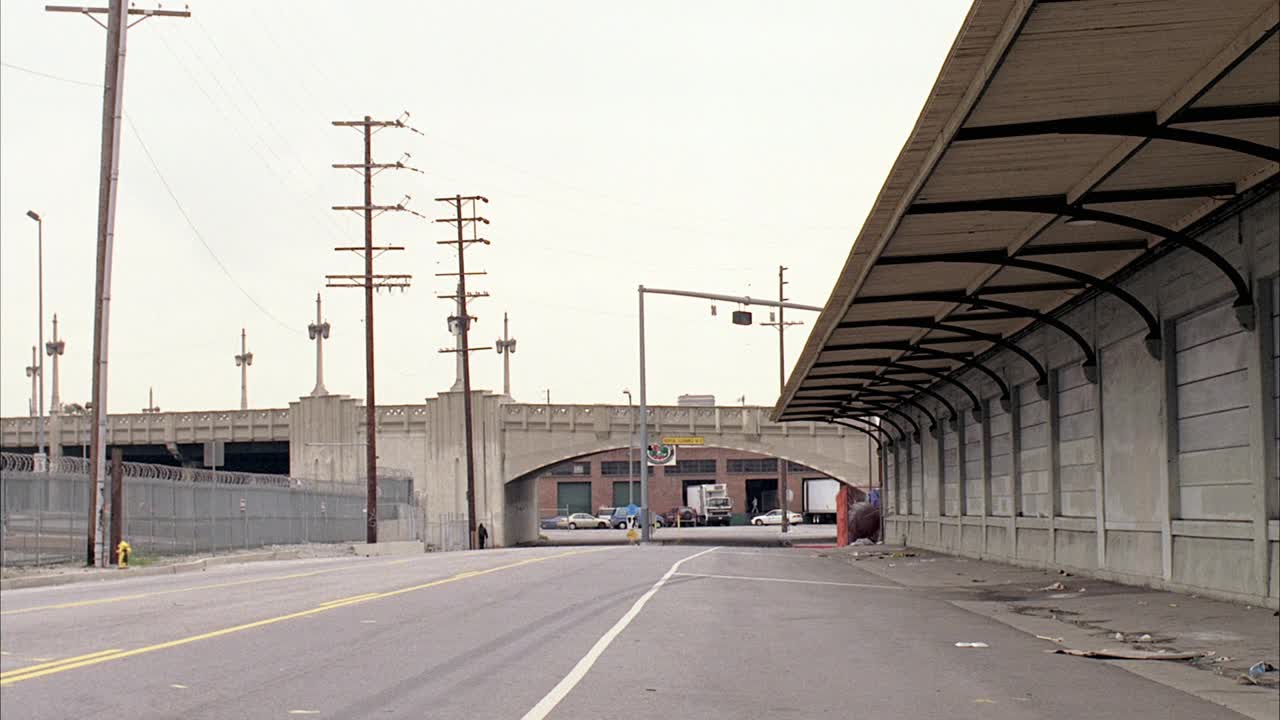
(782, 326)
(151, 408)
(117, 27)
(465, 218)
(243, 361)
(319, 331)
(370, 282)
(506, 346)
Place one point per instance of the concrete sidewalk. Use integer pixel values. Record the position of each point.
(1076, 612)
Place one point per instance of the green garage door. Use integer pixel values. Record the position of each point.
(573, 497)
(623, 495)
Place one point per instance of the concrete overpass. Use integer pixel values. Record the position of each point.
(324, 440)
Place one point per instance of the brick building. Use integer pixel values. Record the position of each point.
(601, 480)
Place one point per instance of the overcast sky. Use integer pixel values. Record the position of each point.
(690, 145)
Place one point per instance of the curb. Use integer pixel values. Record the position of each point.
(193, 566)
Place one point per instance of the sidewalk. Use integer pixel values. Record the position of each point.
(1081, 613)
(49, 575)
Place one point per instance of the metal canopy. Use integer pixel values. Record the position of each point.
(1062, 143)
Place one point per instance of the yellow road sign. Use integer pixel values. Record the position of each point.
(684, 440)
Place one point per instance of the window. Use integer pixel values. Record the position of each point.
(753, 465)
(692, 467)
(797, 467)
(619, 467)
(572, 468)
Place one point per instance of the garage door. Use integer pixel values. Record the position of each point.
(573, 497)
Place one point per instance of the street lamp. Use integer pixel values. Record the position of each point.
(505, 347)
(644, 398)
(243, 361)
(631, 442)
(39, 364)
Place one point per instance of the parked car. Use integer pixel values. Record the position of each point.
(559, 522)
(605, 513)
(684, 514)
(774, 517)
(621, 517)
(585, 520)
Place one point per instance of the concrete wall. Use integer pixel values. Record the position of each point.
(1163, 473)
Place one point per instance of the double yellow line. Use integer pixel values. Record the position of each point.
(57, 666)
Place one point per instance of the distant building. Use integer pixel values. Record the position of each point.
(607, 480)
(696, 401)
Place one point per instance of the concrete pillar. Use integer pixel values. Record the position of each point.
(1262, 431)
(325, 442)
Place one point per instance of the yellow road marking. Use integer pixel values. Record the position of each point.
(211, 586)
(348, 600)
(54, 663)
(105, 655)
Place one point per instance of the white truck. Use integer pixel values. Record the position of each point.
(820, 499)
(711, 503)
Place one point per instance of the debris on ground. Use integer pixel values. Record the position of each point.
(1258, 675)
(863, 541)
(972, 645)
(1144, 638)
(1055, 586)
(1118, 636)
(1050, 639)
(1126, 654)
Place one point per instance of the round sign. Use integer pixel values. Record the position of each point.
(660, 453)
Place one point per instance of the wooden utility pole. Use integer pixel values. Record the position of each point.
(465, 217)
(370, 282)
(782, 326)
(117, 27)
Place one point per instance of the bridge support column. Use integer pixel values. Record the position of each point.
(325, 442)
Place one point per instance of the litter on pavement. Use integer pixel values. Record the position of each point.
(1126, 654)
(972, 645)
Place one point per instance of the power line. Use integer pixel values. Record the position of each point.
(196, 231)
(59, 78)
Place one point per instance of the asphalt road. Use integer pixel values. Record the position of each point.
(544, 632)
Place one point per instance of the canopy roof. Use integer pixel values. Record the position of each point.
(1062, 141)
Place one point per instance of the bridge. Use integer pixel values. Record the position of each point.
(323, 438)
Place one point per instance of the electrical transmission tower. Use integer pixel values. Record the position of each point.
(465, 219)
(371, 282)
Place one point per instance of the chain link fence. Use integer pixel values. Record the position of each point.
(172, 510)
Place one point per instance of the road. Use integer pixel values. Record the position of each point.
(584, 632)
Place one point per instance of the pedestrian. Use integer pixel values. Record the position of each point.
(482, 535)
(755, 506)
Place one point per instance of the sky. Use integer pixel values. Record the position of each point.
(686, 145)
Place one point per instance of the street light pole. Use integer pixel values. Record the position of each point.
(644, 433)
(506, 346)
(40, 332)
(631, 442)
(644, 398)
(243, 361)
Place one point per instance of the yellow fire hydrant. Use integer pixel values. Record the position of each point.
(123, 551)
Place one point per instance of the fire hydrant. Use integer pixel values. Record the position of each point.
(123, 551)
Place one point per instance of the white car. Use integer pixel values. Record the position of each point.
(586, 520)
(774, 517)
